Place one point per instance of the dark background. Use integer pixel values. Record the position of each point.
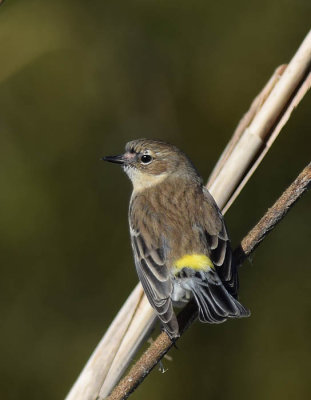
(78, 80)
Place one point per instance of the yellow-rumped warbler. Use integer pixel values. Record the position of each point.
(179, 239)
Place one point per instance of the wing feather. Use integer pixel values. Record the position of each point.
(153, 272)
(219, 244)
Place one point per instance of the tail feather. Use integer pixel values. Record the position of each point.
(215, 303)
(222, 296)
(207, 310)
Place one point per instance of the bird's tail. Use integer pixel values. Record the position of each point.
(215, 303)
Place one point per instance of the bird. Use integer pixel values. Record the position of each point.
(180, 242)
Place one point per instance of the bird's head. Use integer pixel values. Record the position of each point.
(148, 162)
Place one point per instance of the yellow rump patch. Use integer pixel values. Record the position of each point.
(194, 261)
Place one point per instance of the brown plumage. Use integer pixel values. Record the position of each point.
(172, 215)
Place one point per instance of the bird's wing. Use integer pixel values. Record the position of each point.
(219, 244)
(152, 270)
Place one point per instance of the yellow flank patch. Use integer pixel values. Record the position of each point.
(194, 261)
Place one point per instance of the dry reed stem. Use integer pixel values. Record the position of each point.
(264, 125)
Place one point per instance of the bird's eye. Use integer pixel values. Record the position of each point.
(146, 159)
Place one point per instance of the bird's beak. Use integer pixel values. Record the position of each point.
(115, 159)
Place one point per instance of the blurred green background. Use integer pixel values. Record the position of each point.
(79, 79)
